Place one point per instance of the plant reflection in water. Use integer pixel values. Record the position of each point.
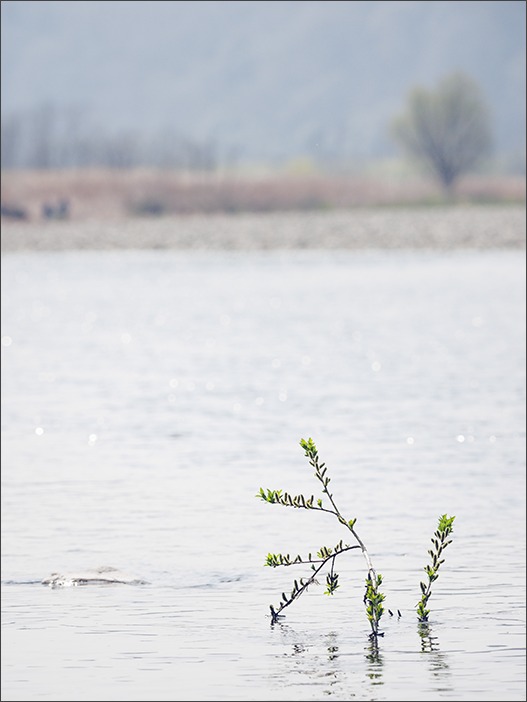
(438, 661)
(319, 660)
(375, 663)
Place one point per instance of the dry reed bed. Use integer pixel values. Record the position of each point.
(102, 194)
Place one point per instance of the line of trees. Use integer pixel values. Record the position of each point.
(48, 137)
(447, 129)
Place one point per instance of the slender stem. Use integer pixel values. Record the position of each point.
(313, 456)
(303, 588)
(373, 598)
(341, 519)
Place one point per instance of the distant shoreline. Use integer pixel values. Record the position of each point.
(437, 228)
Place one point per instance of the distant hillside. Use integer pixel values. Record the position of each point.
(261, 81)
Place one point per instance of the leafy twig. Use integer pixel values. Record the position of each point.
(373, 598)
(439, 541)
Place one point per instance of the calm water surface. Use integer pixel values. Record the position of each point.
(148, 395)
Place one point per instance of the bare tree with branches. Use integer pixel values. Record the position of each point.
(447, 130)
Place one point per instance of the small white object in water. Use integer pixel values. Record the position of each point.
(104, 575)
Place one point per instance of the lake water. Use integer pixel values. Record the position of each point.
(148, 395)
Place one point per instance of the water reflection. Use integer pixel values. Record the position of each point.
(316, 659)
(323, 663)
(429, 643)
(333, 649)
(374, 663)
(138, 420)
(438, 661)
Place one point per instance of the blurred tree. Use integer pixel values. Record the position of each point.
(43, 129)
(448, 130)
(10, 141)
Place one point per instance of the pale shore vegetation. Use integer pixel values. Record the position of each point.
(145, 209)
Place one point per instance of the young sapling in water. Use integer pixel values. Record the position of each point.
(440, 541)
(325, 558)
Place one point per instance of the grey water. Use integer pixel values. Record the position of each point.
(147, 396)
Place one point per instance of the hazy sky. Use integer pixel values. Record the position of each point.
(270, 79)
